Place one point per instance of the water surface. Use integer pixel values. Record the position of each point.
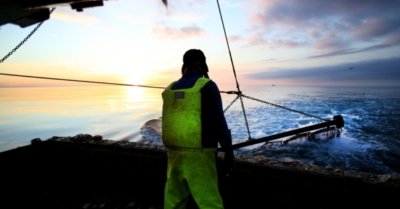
(369, 141)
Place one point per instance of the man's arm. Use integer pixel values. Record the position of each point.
(214, 122)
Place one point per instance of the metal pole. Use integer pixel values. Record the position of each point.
(337, 121)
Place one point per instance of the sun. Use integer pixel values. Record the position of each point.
(137, 75)
(135, 79)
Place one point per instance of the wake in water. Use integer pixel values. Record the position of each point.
(368, 142)
(151, 131)
(326, 151)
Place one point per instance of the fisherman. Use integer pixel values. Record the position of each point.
(193, 123)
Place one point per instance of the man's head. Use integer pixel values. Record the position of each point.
(194, 61)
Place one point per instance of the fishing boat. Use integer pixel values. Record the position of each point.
(86, 171)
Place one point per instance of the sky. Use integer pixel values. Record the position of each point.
(274, 42)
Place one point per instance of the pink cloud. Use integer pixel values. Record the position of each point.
(371, 27)
(324, 25)
(393, 39)
(329, 41)
(181, 33)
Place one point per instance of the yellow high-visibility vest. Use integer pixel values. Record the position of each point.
(181, 116)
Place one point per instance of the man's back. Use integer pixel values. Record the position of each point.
(193, 124)
(214, 126)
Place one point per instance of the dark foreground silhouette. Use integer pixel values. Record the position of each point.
(95, 173)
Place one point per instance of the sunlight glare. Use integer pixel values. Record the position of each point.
(134, 93)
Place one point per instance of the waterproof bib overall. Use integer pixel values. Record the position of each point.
(191, 168)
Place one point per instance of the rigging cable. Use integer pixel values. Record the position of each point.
(24, 40)
(239, 93)
(81, 81)
(160, 87)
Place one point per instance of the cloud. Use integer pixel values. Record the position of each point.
(345, 51)
(383, 71)
(185, 17)
(181, 33)
(326, 26)
(393, 39)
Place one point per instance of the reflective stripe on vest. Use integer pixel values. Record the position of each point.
(181, 117)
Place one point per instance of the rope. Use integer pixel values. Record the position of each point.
(81, 81)
(234, 71)
(234, 100)
(245, 116)
(239, 92)
(24, 40)
(229, 49)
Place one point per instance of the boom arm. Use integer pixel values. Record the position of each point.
(337, 121)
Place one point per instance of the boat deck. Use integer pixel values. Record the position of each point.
(75, 174)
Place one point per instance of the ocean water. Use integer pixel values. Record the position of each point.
(116, 113)
(369, 142)
(370, 139)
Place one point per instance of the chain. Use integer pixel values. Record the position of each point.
(240, 96)
(286, 108)
(25, 39)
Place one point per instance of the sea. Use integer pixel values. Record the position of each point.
(368, 142)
